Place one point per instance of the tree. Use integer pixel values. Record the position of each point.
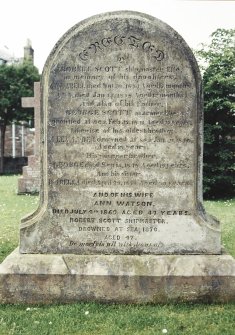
(16, 81)
(219, 114)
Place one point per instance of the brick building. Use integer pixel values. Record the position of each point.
(19, 138)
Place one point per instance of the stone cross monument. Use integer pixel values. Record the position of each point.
(29, 182)
(121, 214)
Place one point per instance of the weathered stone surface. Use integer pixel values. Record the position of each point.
(117, 278)
(16, 263)
(29, 182)
(122, 144)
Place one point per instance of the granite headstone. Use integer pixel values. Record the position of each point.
(122, 144)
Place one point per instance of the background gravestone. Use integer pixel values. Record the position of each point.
(29, 182)
(122, 153)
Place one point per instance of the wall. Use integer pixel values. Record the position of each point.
(28, 141)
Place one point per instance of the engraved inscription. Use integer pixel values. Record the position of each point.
(121, 128)
(121, 141)
(120, 40)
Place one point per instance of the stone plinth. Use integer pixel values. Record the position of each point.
(45, 279)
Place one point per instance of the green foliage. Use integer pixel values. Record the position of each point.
(16, 81)
(219, 114)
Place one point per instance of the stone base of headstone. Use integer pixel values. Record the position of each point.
(33, 279)
(29, 182)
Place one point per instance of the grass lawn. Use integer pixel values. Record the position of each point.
(101, 319)
(12, 208)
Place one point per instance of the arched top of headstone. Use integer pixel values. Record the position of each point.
(113, 22)
(121, 143)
